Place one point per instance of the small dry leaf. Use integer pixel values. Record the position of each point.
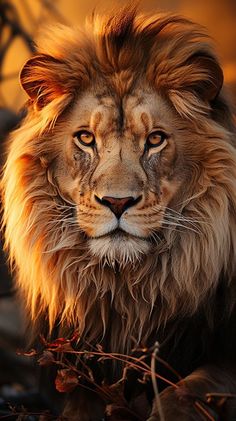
(30, 353)
(66, 380)
(62, 348)
(60, 345)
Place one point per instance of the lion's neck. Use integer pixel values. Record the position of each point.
(123, 308)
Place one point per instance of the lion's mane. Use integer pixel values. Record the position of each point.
(57, 277)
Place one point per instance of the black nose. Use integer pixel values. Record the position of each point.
(118, 204)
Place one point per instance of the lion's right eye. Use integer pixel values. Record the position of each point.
(156, 139)
(85, 138)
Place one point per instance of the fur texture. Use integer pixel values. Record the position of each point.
(176, 254)
(61, 278)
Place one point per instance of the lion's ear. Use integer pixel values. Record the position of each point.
(205, 76)
(41, 79)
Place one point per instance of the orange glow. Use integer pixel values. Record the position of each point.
(230, 72)
(34, 15)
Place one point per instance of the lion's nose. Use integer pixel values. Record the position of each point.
(118, 204)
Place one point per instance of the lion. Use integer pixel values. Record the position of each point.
(119, 194)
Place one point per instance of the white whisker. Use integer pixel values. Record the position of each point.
(177, 225)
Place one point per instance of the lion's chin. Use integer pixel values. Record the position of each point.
(119, 248)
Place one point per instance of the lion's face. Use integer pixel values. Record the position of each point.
(118, 166)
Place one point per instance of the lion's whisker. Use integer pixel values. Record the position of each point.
(170, 218)
(177, 224)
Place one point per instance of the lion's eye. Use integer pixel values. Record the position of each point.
(156, 139)
(84, 138)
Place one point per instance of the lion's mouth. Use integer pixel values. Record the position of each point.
(119, 246)
(118, 234)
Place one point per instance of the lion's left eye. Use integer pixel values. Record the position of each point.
(156, 139)
(84, 138)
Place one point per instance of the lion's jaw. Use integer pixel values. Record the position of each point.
(120, 165)
(119, 248)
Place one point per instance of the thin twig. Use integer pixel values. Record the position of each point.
(123, 358)
(202, 411)
(220, 395)
(154, 382)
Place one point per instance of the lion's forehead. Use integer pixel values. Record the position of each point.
(137, 112)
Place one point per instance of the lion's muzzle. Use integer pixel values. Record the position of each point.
(118, 205)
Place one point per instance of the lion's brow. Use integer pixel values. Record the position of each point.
(120, 120)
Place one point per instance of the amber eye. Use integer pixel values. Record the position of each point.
(156, 139)
(84, 138)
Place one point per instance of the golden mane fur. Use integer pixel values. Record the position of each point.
(58, 278)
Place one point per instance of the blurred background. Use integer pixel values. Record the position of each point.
(20, 22)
